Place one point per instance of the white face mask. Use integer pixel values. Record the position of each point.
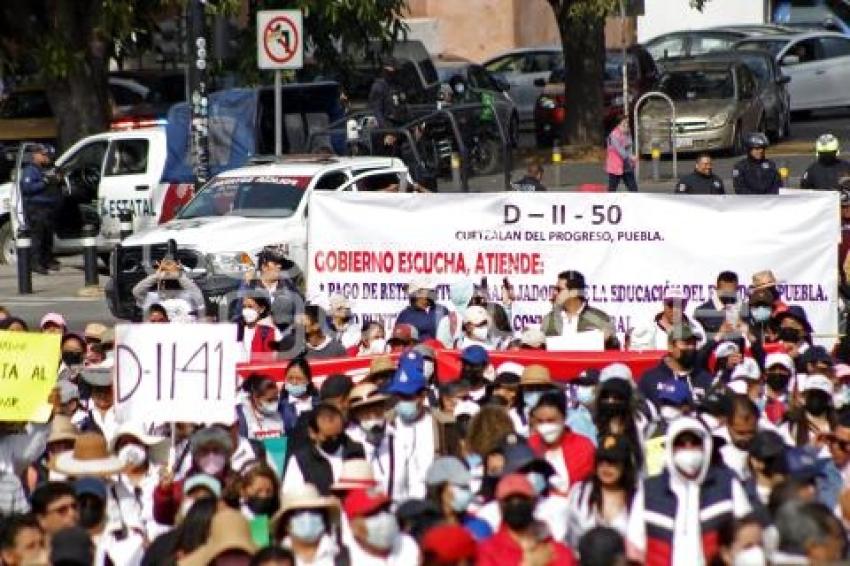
(377, 346)
(550, 431)
(428, 368)
(669, 413)
(132, 455)
(753, 556)
(381, 530)
(481, 333)
(689, 460)
(250, 315)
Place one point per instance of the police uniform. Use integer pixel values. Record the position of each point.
(528, 184)
(40, 198)
(824, 174)
(698, 184)
(756, 177)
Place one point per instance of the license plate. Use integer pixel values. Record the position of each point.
(684, 142)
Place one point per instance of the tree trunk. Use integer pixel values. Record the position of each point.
(80, 98)
(583, 40)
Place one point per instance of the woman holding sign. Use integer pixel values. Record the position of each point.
(258, 414)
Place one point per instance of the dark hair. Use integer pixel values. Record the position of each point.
(9, 321)
(727, 531)
(603, 419)
(741, 406)
(261, 297)
(272, 552)
(600, 546)
(12, 526)
(194, 531)
(156, 307)
(842, 417)
(701, 155)
(726, 276)
(253, 383)
(628, 482)
(47, 493)
(321, 409)
(301, 363)
(68, 336)
(553, 399)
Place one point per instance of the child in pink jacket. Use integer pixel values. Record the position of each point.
(620, 158)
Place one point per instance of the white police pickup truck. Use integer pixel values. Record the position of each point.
(235, 215)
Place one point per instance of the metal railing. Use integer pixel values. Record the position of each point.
(673, 150)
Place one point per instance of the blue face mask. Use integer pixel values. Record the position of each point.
(585, 394)
(307, 526)
(473, 460)
(294, 390)
(461, 498)
(537, 481)
(407, 410)
(761, 314)
(530, 399)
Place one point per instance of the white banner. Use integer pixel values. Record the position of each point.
(175, 372)
(629, 247)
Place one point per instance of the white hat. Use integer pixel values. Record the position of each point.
(617, 370)
(738, 386)
(90, 457)
(642, 338)
(533, 337)
(818, 382)
(470, 408)
(779, 359)
(748, 369)
(355, 474)
(725, 349)
(510, 367)
(134, 429)
(338, 301)
(475, 315)
(674, 293)
(420, 284)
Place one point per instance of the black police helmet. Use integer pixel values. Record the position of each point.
(756, 140)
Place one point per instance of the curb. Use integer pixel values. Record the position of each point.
(93, 292)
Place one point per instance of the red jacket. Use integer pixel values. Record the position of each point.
(502, 550)
(579, 454)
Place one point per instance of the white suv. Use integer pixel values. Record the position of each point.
(221, 230)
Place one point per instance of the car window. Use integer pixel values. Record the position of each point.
(698, 85)
(806, 50)
(760, 67)
(507, 64)
(747, 85)
(90, 155)
(614, 66)
(835, 47)
(705, 44)
(540, 62)
(124, 96)
(771, 46)
(666, 48)
(380, 182)
(127, 157)
(478, 78)
(331, 181)
(26, 104)
(266, 196)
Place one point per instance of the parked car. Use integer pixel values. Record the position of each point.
(817, 62)
(693, 42)
(550, 110)
(481, 81)
(772, 87)
(717, 105)
(161, 90)
(523, 69)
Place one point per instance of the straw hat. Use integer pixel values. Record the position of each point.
(763, 280)
(355, 474)
(381, 364)
(61, 428)
(90, 457)
(134, 429)
(365, 394)
(306, 497)
(535, 374)
(229, 530)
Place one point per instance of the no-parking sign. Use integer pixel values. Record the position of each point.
(280, 39)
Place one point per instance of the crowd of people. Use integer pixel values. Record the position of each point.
(734, 449)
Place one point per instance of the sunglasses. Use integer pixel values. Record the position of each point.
(844, 445)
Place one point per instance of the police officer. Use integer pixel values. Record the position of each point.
(755, 174)
(533, 180)
(702, 181)
(40, 194)
(825, 173)
(387, 101)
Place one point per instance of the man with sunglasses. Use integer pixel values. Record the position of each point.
(55, 507)
(571, 312)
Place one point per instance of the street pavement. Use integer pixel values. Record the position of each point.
(64, 292)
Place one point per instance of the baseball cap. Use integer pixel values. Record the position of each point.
(447, 469)
(818, 382)
(364, 502)
(53, 318)
(514, 484)
(589, 376)
(616, 370)
(404, 333)
(475, 355)
(408, 378)
(337, 385)
(779, 359)
(748, 369)
(802, 465)
(448, 544)
(725, 349)
(509, 368)
(675, 392)
(767, 446)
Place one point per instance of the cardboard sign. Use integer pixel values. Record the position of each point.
(29, 363)
(176, 372)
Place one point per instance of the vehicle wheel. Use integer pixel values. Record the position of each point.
(484, 156)
(513, 131)
(8, 254)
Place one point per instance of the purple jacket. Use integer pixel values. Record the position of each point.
(619, 155)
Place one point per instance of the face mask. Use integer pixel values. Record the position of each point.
(307, 526)
(761, 314)
(689, 460)
(132, 455)
(262, 505)
(296, 390)
(584, 394)
(372, 426)
(72, 358)
(817, 403)
(778, 382)
(377, 346)
(212, 464)
(550, 432)
(518, 513)
(268, 408)
(92, 512)
(728, 300)
(753, 556)
(428, 368)
(407, 410)
(461, 498)
(250, 316)
(473, 460)
(538, 482)
(687, 358)
(530, 399)
(331, 445)
(381, 530)
(481, 333)
(669, 413)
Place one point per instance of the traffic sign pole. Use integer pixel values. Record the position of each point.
(278, 115)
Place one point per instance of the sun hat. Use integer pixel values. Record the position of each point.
(61, 428)
(90, 457)
(355, 474)
(94, 331)
(305, 497)
(229, 530)
(53, 318)
(381, 364)
(364, 394)
(535, 374)
(763, 280)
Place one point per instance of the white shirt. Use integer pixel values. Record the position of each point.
(379, 458)
(555, 456)
(107, 422)
(325, 554)
(553, 511)
(17, 451)
(583, 518)
(414, 450)
(261, 426)
(126, 552)
(138, 510)
(570, 321)
(405, 552)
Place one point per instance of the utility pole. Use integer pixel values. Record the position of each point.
(198, 97)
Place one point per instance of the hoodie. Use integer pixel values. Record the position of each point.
(450, 327)
(675, 519)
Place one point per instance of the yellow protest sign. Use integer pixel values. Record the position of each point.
(654, 453)
(29, 362)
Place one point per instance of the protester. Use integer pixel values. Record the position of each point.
(374, 531)
(572, 314)
(532, 181)
(424, 313)
(21, 541)
(341, 321)
(678, 365)
(653, 336)
(723, 306)
(368, 426)
(255, 329)
(299, 395)
(305, 525)
(277, 278)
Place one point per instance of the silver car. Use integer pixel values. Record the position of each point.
(526, 70)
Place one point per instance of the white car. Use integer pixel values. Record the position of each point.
(233, 217)
(817, 62)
